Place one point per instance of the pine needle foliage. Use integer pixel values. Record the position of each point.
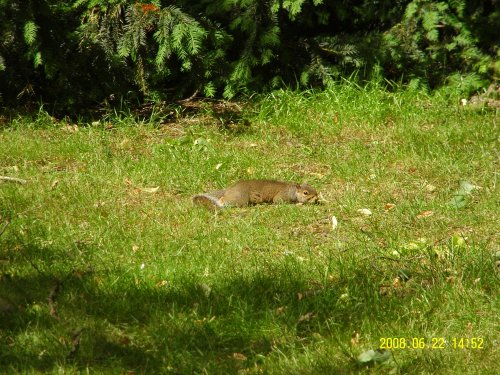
(435, 41)
(30, 32)
(89, 51)
(159, 42)
(44, 61)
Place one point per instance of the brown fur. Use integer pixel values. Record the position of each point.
(249, 192)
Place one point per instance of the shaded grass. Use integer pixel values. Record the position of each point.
(152, 285)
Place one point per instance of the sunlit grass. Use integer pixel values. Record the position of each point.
(148, 283)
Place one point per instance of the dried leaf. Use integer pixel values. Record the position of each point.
(280, 310)
(425, 214)
(239, 356)
(334, 223)
(161, 283)
(389, 206)
(355, 338)
(365, 212)
(306, 317)
(396, 282)
(149, 189)
(430, 188)
(70, 128)
(384, 290)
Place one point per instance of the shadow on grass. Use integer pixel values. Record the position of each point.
(84, 319)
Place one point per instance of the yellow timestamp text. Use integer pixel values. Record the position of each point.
(431, 343)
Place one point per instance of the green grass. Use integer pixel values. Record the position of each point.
(151, 284)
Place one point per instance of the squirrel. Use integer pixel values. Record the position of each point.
(250, 192)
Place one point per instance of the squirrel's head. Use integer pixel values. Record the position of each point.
(306, 194)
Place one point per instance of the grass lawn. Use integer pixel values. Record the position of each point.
(106, 266)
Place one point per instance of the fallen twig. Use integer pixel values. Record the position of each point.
(54, 291)
(52, 299)
(13, 179)
(190, 98)
(75, 342)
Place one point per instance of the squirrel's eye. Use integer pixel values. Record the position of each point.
(306, 192)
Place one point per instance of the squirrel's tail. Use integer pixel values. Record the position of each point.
(207, 200)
